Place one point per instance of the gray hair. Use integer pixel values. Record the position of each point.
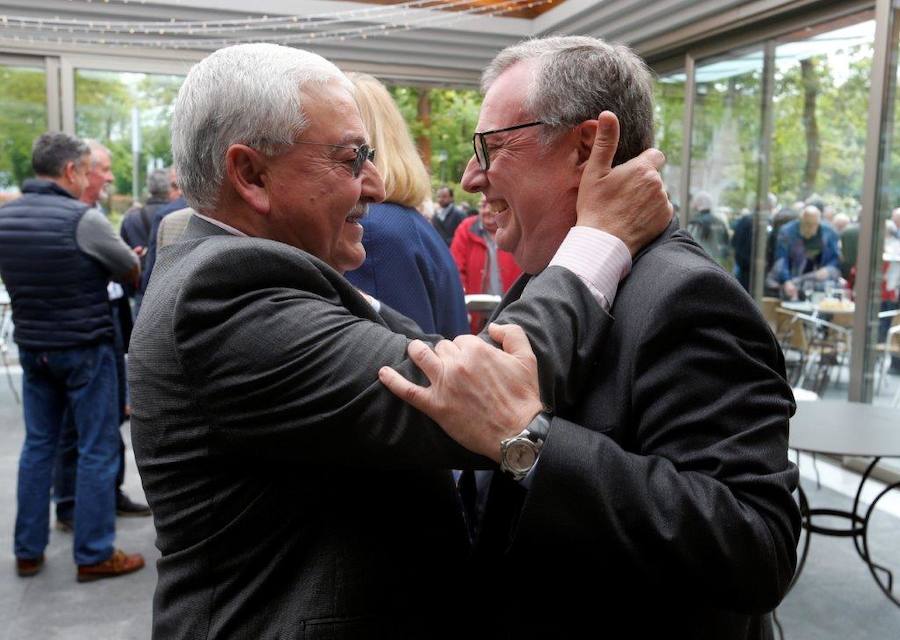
(576, 78)
(95, 146)
(702, 202)
(243, 94)
(158, 183)
(52, 151)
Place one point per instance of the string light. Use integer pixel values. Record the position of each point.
(287, 29)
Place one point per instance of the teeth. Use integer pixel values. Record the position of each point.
(498, 205)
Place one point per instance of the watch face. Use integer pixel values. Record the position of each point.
(520, 455)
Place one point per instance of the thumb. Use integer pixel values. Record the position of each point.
(605, 143)
(511, 338)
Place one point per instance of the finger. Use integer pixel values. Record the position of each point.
(654, 157)
(407, 391)
(423, 357)
(446, 349)
(511, 338)
(605, 142)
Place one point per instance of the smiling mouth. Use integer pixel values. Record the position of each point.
(357, 214)
(499, 208)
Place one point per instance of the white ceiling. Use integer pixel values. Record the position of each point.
(452, 53)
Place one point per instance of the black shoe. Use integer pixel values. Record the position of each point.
(127, 508)
(65, 525)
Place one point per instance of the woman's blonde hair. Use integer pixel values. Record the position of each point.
(406, 180)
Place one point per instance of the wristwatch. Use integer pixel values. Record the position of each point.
(520, 453)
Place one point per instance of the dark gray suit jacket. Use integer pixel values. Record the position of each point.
(661, 505)
(293, 495)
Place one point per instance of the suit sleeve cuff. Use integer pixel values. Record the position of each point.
(598, 258)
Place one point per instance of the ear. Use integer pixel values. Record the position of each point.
(70, 172)
(246, 170)
(586, 133)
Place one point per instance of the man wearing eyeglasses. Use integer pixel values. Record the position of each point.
(293, 495)
(654, 501)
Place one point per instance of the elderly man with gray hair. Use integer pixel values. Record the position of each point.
(138, 220)
(293, 495)
(655, 500)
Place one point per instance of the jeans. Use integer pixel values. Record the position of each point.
(81, 381)
(65, 471)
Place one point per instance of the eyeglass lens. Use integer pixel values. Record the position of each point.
(363, 153)
(481, 152)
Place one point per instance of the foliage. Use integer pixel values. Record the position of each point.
(106, 103)
(454, 115)
(727, 125)
(23, 117)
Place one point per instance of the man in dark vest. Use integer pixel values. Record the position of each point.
(56, 257)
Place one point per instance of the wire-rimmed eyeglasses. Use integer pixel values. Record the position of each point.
(363, 152)
(480, 143)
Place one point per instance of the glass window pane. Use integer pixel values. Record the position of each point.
(23, 117)
(669, 129)
(820, 103)
(724, 158)
(883, 351)
(130, 113)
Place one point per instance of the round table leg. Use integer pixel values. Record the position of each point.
(887, 589)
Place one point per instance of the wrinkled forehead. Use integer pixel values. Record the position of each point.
(504, 102)
(332, 113)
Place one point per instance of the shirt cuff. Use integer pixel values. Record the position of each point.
(600, 259)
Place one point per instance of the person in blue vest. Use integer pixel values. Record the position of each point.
(56, 257)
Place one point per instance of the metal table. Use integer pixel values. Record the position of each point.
(847, 429)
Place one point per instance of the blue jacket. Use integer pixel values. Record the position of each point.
(790, 255)
(409, 268)
(58, 292)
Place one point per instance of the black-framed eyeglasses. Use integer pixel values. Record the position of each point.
(363, 152)
(479, 142)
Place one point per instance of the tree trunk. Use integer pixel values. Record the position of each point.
(423, 142)
(810, 126)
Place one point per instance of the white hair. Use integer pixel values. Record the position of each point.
(576, 78)
(95, 146)
(244, 94)
(702, 202)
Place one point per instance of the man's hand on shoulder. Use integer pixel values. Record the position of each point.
(628, 201)
(479, 394)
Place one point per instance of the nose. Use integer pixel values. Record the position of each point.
(372, 184)
(474, 179)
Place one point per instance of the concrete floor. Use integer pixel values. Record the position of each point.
(52, 605)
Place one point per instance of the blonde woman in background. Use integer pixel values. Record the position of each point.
(407, 266)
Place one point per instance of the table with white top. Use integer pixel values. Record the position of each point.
(847, 429)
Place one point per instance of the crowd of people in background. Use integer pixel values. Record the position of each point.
(810, 248)
(807, 243)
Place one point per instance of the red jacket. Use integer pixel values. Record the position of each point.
(470, 254)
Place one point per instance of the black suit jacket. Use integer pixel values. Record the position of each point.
(661, 505)
(293, 495)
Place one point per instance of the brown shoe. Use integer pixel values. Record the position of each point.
(118, 564)
(27, 567)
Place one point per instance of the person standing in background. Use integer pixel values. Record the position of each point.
(99, 177)
(407, 266)
(447, 216)
(482, 266)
